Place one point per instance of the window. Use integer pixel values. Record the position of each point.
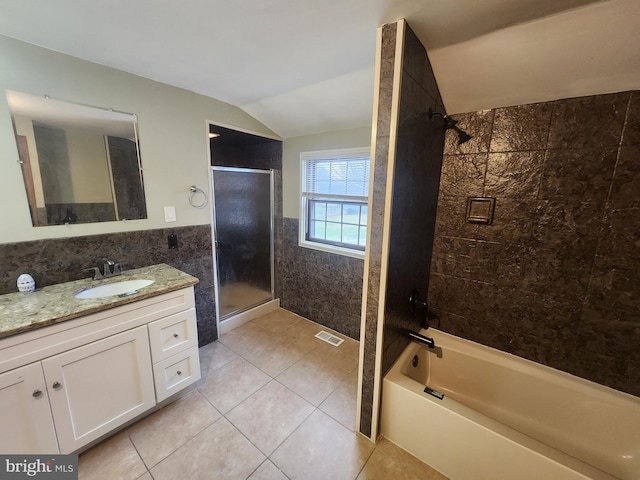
(334, 200)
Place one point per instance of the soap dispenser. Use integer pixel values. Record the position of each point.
(26, 283)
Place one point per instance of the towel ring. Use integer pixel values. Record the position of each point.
(195, 191)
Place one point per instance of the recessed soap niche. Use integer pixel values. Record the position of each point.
(480, 210)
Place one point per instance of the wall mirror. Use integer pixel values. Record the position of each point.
(80, 164)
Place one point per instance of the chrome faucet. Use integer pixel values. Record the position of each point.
(109, 269)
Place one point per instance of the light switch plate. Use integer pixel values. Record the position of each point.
(169, 214)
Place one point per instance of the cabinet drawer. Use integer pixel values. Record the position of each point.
(176, 372)
(173, 334)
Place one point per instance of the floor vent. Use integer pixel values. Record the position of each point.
(327, 337)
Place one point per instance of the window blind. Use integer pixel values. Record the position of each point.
(343, 177)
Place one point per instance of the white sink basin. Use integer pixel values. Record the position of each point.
(111, 289)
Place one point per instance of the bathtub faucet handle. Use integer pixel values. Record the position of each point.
(415, 302)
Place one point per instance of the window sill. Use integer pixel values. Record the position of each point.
(347, 252)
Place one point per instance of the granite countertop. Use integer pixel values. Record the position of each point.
(21, 312)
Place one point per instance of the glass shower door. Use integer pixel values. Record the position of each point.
(243, 231)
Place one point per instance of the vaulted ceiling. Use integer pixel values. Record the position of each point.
(303, 66)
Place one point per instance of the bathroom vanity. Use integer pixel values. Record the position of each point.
(73, 370)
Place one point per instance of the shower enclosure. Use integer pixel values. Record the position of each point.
(243, 235)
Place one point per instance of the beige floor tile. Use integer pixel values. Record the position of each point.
(390, 462)
(229, 385)
(116, 457)
(161, 433)
(322, 449)
(277, 321)
(303, 334)
(311, 379)
(220, 451)
(273, 360)
(342, 403)
(267, 471)
(270, 415)
(333, 358)
(246, 338)
(343, 357)
(184, 440)
(213, 356)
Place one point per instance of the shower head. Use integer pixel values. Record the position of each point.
(463, 136)
(451, 124)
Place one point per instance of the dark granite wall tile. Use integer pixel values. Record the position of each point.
(521, 128)
(625, 188)
(513, 174)
(463, 175)
(63, 260)
(588, 122)
(450, 220)
(377, 204)
(631, 133)
(620, 238)
(565, 221)
(583, 174)
(555, 280)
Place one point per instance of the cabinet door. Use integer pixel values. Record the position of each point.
(97, 387)
(25, 416)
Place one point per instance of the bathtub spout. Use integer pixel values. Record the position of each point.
(422, 339)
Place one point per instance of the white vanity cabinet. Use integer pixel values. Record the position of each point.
(25, 415)
(99, 386)
(95, 373)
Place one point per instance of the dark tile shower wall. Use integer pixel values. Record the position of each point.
(323, 287)
(62, 260)
(417, 145)
(555, 278)
(416, 176)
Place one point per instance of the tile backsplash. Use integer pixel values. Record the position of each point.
(52, 261)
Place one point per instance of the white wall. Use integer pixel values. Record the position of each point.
(172, 125)
(88, 160)
(584, 51)
(291, 148)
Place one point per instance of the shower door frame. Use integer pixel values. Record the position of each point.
(270, 172)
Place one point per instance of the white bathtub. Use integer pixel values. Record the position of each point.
(503, 417)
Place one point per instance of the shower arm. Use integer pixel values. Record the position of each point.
(451, 124)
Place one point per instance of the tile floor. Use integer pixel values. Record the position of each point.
(274, 402)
